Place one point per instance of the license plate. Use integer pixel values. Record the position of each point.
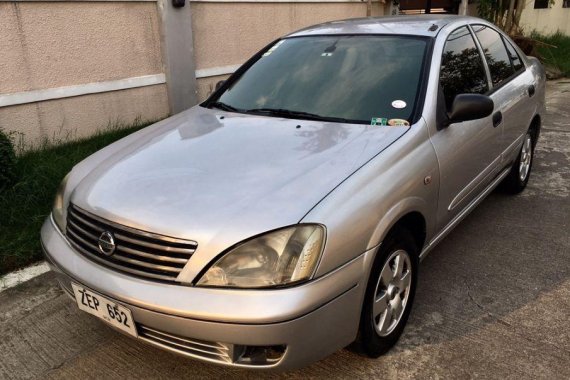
(111, 312)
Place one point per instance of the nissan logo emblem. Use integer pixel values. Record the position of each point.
(106, 243)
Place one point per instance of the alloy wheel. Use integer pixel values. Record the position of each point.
(526, 157)
(392, 292)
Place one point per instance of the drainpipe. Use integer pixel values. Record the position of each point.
(428, 7)
(463, 8)
(178, 54)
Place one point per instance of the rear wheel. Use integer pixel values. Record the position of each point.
(517, 179)
(389, 294)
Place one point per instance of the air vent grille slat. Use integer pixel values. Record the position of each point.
(192, 347)
(138, 253)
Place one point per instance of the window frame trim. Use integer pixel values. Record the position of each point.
(548, 6)
(516, 73)
(481, 56)
(507, 43)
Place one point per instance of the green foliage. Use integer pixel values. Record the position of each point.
(501, 14)
(7, 162)
(24, 206)
(487, 9)
(554, 50)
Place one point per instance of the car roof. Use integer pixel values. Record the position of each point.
(418, 25)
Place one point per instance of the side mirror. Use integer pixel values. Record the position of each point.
(470, 107)
(220, 84)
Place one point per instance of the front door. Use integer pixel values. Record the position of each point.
(469, 153)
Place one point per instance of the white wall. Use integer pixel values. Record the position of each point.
(546, 21)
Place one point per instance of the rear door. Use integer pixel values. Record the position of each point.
(469, 153)
(512, 87)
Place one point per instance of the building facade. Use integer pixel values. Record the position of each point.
(546, 16)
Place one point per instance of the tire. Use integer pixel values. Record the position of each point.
(517, 179)
(377, 334)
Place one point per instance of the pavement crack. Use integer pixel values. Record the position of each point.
(55, 367)
(474, 301)
(485, 310)
(12, 320)
(513, 330)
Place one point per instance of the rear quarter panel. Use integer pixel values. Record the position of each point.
(524, 107)
(539, 76)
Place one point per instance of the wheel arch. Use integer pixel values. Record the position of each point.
(410, 214)
(535, 126)
(406, 214)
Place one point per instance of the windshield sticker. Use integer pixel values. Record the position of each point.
(398, 123)
(272, 48)
(379, 121)
(399, 104)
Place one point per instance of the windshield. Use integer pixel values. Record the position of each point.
(344, 78)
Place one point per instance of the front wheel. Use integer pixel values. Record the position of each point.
(389, 294)
(517, 179)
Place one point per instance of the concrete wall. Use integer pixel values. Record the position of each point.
(60, 120)
(46, 47)
(71, 67)
(226, 34)
(548, 20)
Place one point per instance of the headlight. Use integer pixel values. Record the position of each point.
(58, 205)
(277, 258)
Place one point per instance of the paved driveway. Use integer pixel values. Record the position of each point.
(493, 300)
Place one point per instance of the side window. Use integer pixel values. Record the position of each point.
(515, 58)
(462, 70)
(495, 54)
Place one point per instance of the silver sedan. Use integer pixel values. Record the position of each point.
(285, 217)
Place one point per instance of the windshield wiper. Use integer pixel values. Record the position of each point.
(284, 112)
(224, 107)
(297, 114)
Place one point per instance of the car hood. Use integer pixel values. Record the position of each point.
(218, 178)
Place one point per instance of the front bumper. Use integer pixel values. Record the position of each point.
(309, 322)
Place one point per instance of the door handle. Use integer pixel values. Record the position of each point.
(497, 119)
(531, 90)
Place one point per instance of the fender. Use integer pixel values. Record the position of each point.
(397, 212)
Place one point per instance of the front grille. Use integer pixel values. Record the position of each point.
(136, 252)
(191, 347)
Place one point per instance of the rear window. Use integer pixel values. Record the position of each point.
(495, 54)
(356, 78)
(515, 58)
